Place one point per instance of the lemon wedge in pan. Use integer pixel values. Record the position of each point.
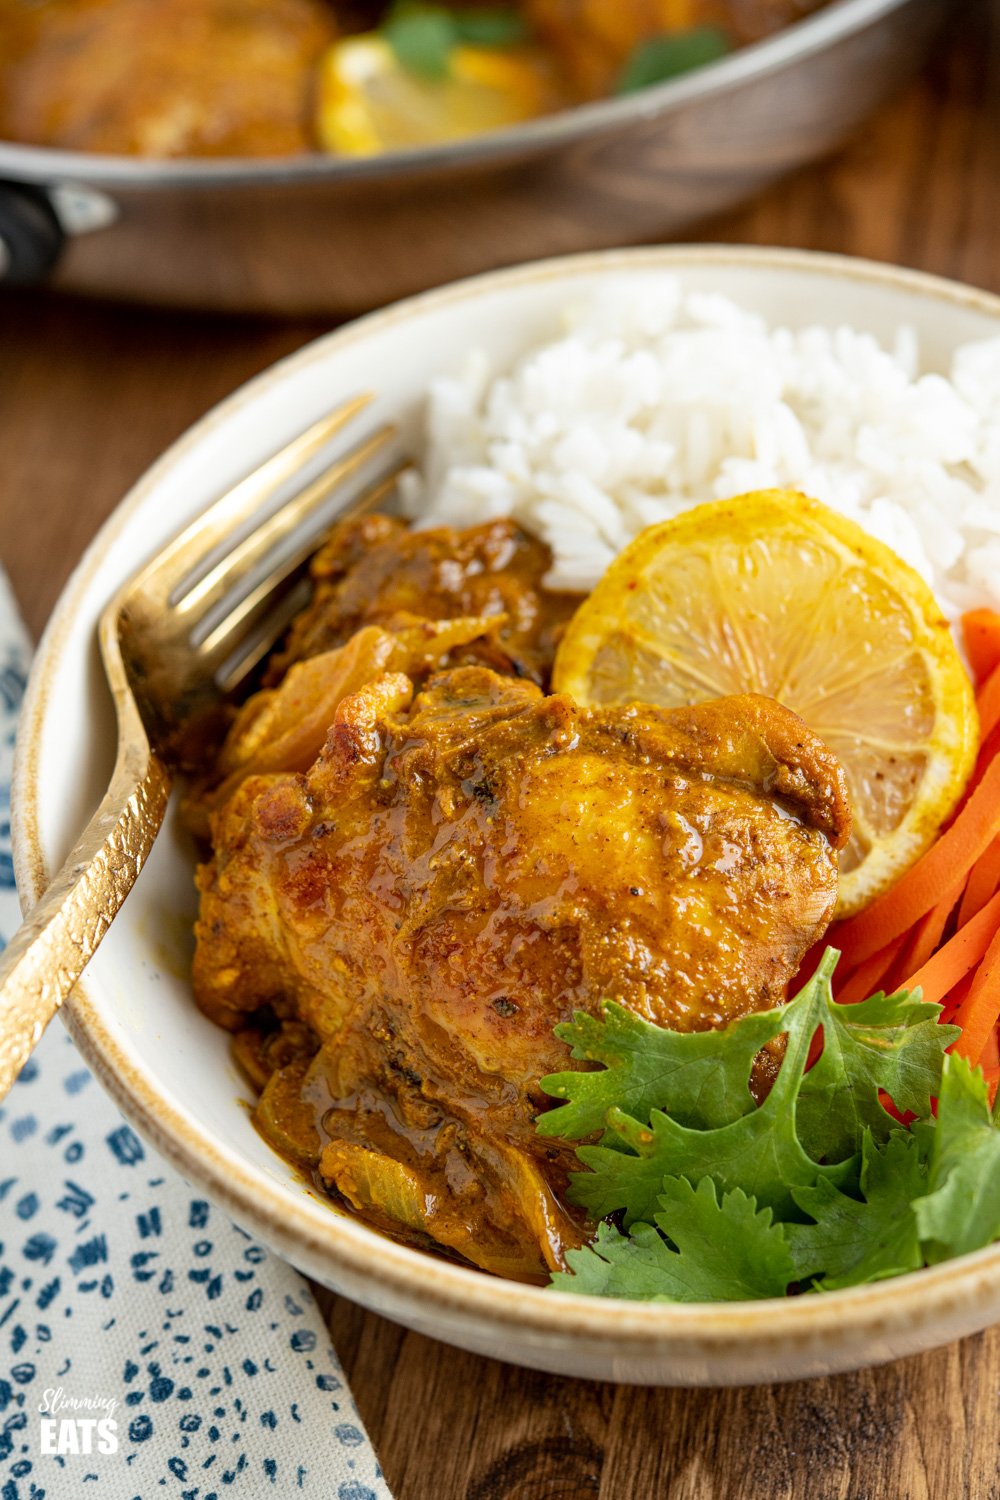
(773, 593)
(369, 102)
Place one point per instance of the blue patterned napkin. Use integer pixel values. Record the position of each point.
(147, 1346)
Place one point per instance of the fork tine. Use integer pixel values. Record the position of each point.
(182, 555)
(252, 650)
(221, 643)
(241, 560)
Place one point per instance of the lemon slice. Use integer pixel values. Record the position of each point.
(368, 102)
(773, 593)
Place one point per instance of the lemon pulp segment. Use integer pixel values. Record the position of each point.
(369, 102)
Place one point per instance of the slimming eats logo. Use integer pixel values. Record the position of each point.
(77, 1424)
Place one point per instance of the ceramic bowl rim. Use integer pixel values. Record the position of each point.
(333, 1242)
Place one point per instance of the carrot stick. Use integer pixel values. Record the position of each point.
(989, 749)
(951, 963)
(984, 879)
(977, 1015)
(981, 632)
(956, 999)
(988, 704)
(869, 976)
(946, 861)
(929, 930)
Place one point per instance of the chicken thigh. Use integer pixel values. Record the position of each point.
(458, 872)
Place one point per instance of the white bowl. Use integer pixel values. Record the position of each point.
(169, 1069)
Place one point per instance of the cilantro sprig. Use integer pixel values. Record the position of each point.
(424, 36)
(961, 1210)
(708, 1252)
(658, 58)
(817, 1187)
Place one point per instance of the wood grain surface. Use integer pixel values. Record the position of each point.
(89, 395)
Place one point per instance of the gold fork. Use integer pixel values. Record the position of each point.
(180, 634)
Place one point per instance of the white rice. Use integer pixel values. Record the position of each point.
(653, 401)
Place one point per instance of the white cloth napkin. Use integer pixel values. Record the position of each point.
(147, 1346)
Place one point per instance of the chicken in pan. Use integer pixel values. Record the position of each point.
(272, 78)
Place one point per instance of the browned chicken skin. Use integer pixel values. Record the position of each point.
(376, 571)
(162, 77)
(427, 588)
(457, 873)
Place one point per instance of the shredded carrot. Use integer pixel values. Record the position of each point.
(981, 632)
(953, 887)
(951, 963)
(869, 976)
(929, 930)
(979, 1012)
(951, 857)
(957, 999)
(988, 704)
(989, 749)
(983, 882)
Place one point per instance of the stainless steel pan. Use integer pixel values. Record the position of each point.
(314, 234)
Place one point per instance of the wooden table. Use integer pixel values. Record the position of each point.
(89, 395)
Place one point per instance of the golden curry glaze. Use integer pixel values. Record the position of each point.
(397, 929)
(395, 600)
(375, 571)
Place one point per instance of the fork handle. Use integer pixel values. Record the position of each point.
(47, 955)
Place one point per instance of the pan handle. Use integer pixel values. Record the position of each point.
(31, 236)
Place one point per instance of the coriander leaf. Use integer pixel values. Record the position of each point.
(490, 28)
(890, 1042)
(853, 1242)
(701, 1076)
(618, 1265)
(725, 1251)
(422, 39)
(961, 1210)
(759, 1153)
(663, 57)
